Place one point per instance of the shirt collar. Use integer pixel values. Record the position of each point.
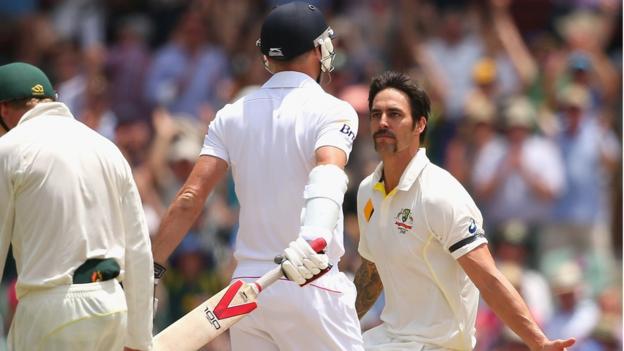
(290, 79)
(410, 174)
(51, 108)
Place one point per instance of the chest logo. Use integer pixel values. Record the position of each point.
(404, 220)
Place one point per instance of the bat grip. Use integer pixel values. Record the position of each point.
(276, 273)
(269, 278)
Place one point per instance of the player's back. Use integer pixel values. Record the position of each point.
(269, 139)
(68, 184)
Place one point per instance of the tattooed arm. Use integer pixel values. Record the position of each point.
(368, 286)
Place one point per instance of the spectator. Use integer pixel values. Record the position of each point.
(590, 153)
(521, 178)
(186, 72)
(575, 313)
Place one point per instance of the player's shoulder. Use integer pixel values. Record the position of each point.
(440, 186)
(339, 103)
(236, 107)
(367, 183)
(331, 104)
(436, 175)
(365, 189)
(8, 143)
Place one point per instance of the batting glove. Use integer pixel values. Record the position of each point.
(301, 263)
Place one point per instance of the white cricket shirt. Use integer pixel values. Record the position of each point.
(269, 139)
(67, 195)
(414, 235)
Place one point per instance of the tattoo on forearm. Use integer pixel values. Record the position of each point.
(368, 286)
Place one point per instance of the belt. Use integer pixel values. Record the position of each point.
(96, 270)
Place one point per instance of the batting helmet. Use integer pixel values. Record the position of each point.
(294, 28)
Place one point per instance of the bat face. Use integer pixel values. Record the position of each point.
(226, 307)
(208, 320)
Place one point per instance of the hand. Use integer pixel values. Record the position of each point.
(558, 345)
(164, 125)
(302, 264)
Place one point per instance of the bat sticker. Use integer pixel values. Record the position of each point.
(223, 310)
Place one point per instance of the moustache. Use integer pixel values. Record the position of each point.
(384, 133)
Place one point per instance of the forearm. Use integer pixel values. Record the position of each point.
(177, 221)
(187, 206)
(509, 306)
(606, 74)
(324, 194)
(515, 47)
(432, 71)
(368, 285)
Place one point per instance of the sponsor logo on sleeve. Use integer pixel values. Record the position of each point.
(472, 228)
(346, 130)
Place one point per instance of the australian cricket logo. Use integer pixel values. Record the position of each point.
(404, 220)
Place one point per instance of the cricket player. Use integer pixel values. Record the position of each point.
(71, 210)
(286, 145)
(421, 240)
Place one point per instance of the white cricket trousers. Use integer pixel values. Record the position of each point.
(71, 317)
(316, 317)
(379, 339)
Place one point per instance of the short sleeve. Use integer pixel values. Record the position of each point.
(339, 128)
(364, 212)
(213, 141)
(454, 218)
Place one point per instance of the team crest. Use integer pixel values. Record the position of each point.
(404, 220)
(37, 90)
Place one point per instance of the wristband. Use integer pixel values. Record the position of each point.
(159, 272)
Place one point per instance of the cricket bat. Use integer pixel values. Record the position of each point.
(218, 313)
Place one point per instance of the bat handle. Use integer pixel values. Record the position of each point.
(268, 278)
(276, 273)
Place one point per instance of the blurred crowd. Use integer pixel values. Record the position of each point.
(527, 114)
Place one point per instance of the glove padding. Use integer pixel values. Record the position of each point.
(301, 263)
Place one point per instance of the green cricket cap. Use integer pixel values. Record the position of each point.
(20, 80)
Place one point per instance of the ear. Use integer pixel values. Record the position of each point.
(420, 125)
(317, 53)
(267, 64)
(4, 110)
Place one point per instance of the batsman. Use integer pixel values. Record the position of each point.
(286, 145)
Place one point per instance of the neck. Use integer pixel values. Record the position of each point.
(394, 165)
(305, 64)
